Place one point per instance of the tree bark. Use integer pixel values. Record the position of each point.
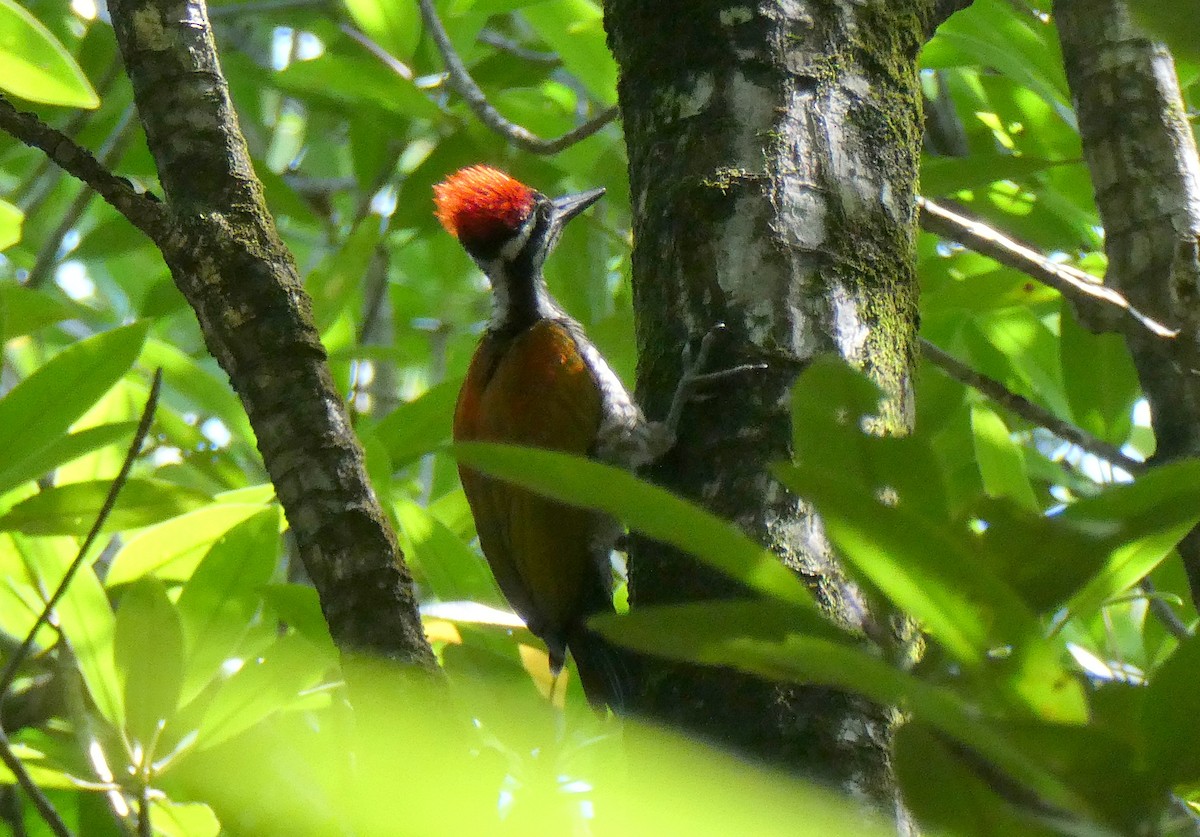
(1141, 153)
(773, 152)
(227, 259)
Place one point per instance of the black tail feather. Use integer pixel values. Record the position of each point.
(604, 670)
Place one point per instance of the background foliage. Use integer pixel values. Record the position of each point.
(189, 668)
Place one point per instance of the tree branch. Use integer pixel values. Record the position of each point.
(1026, 409)
(229, 263)
(1100, 304)
(142, 210)
(33, 191)
(47, 254)
(466, 87)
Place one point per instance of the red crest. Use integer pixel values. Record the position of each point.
(481, 206)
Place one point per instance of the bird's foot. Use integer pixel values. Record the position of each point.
(694, 378)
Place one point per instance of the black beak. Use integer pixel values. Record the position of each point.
(568, 206)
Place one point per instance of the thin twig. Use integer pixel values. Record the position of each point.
(1164, 613)
(1077, 285)
(366, 42)
(1028, 410)
(145, 828)
(143, 210)
(143, 428)
(466, 87)
(264, 7)
(39, 799)
(109, 154)
(495, 39)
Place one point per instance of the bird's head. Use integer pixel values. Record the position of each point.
(506, 227)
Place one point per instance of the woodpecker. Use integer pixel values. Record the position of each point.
(536, 380)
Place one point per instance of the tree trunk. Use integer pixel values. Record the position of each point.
(1141, 153)
(773, 152)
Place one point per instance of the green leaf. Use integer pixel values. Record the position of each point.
(40, 409)
(148, 650)
(20, 598)
(299, 607)
(171, 550)
(183, 819)
(65, 449)
(1172, 21)
(35, 66)
(356, 81)
(1172, 716)
(220, 599)
(262, 687)
(25, 310)
(882, 507)
(820, 658)
(1016, 348)
(1100, 381)
(993, 34)
(698, 631)
(394, 26)
(84, 616)
(41, 769)
(71, 509)
(948, 791)
(645, 508)
(1001, 460)
(1141, 523)
(946, 175)
(928, 570)
(1045, 559)
(418, 426)
(442, 559)
(11, 218)
(575, 30)
(207, 388)
(878, 511)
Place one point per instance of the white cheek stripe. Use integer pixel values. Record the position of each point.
(515, 244)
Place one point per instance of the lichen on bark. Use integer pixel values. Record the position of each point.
(773, 152)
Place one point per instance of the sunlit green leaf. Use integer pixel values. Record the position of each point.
(645, 508)
(25, 310)
(1099, 379)
(84, 616)
(262, 686)
(65, 449)
(418, 426)
(148, 649)
(35, 66)
(223, 594)
(40, 409)
(1001, 460)
(172, 549)
(71, 509)
(10, 225)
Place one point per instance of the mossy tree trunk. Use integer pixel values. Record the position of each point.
(773, 153)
